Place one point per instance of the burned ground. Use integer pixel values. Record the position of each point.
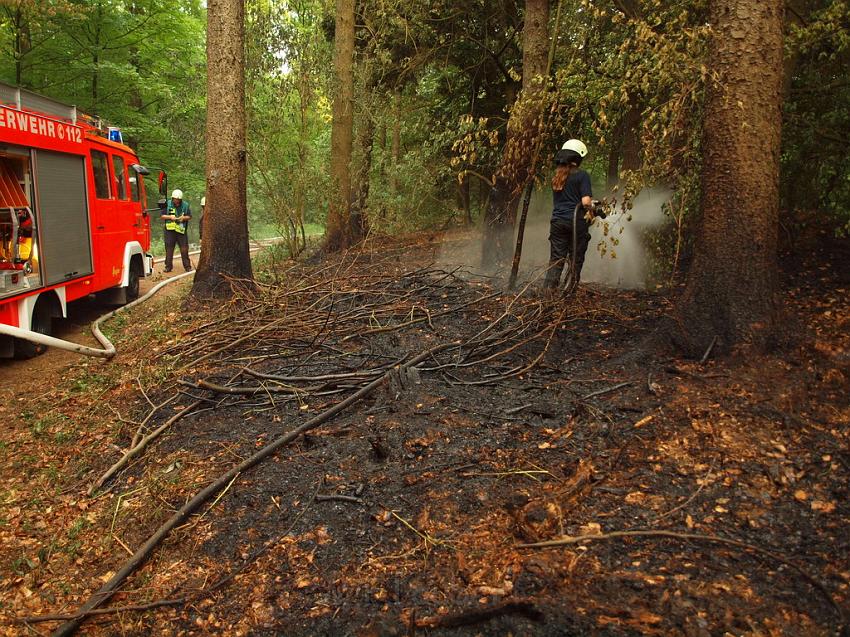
(406, 513)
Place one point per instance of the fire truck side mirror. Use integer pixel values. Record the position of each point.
(163, 183)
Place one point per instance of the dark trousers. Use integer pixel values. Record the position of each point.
(561, 247)
(172, 238)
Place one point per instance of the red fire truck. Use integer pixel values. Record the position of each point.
(73, 219)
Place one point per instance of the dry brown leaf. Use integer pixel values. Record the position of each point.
(591, 528)
(823, 507)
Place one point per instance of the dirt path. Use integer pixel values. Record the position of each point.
(22, 380)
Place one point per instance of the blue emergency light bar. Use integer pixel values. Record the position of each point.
(114, 134)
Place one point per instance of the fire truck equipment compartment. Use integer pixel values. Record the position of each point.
(11, 193)
(63, 214)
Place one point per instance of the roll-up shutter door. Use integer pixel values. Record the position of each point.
(65, 248)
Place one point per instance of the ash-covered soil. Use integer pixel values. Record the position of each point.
(410, 512)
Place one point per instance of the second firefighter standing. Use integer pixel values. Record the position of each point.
(176, 217)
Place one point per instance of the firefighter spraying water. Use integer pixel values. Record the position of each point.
(573, 208)
(573, 211)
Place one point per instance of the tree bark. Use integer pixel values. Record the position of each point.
(631, 136)
(732, 281)
(338, 231)
(515, 167)
(225, 255)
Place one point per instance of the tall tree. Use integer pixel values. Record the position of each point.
(338, 230)
(225, 254)
(515, 168)
(732, 281)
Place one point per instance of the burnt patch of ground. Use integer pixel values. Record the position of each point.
(446, 473)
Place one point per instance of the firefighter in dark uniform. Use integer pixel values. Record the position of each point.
(176, 217)
(568, 232)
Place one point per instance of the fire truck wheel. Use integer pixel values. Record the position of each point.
(132, 292)
(41, 323)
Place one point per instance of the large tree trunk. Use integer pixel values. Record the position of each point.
(338, 235)
(515, 167)
(225, 255)
(732, 281)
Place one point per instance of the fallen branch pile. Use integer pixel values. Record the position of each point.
(337, 333)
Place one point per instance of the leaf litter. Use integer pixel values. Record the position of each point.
(430, 485)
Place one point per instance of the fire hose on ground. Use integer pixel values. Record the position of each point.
(108, 350)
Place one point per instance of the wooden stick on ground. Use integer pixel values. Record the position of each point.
(607, 390)
(143, 443)
(154, 408)
(708, 351)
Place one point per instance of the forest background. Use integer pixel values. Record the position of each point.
(434, 85)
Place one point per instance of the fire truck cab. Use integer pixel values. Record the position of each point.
(73, 218)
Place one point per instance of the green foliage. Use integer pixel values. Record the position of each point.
(417, 188)
(136, 64)
(289, 115)
(815, 162)
(436, 81)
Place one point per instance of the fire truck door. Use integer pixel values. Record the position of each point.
(127, 211)
(141, 220)
(109, 251)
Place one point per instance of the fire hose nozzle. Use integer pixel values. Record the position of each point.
(599, 208)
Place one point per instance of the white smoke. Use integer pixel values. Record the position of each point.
(618, 258)
(622, 265)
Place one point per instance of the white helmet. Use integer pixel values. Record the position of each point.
(203, 201)
(576, 146)
(177, 194)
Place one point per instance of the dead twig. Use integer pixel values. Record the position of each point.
(341, 498)
(154, 408)
(690, 499)
(37, 619)
(607, 390)
(143, 443)
(257, 389)
(708, 351)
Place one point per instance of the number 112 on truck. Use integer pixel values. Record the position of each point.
(73, 219)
